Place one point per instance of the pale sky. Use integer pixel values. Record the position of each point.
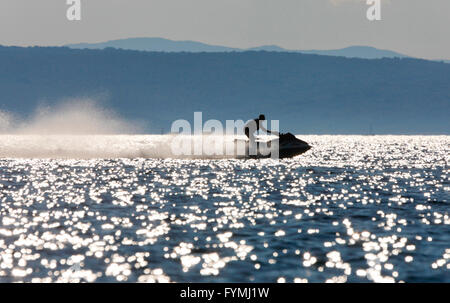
(419, 28)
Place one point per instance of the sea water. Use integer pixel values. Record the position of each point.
(353, 208)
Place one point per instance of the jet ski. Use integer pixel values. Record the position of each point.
(288, 147)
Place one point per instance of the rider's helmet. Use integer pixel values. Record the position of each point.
(262, 117)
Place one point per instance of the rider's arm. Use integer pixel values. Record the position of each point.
(272, 132)
(261, 126)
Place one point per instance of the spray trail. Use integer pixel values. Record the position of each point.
(73, 117)
(80, 128)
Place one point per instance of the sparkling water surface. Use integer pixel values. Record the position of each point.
(354, 208)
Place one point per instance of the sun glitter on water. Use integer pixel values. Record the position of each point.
(353, 209)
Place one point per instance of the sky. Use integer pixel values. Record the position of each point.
(419, 28)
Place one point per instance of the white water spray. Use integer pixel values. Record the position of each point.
(81, 128)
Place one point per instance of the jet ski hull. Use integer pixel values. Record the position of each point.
(289, 147)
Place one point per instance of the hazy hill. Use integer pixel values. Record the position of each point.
(358, 52)
(307, 93)
(166, 45)
(154, 45)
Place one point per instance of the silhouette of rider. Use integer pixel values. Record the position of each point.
(255, 125)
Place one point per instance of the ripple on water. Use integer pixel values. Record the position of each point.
(352, 209)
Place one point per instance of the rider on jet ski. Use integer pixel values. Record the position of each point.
(255, 125)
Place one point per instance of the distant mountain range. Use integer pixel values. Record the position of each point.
(307, 93)
(166, 45)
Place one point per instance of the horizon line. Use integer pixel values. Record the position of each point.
(225, 46)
